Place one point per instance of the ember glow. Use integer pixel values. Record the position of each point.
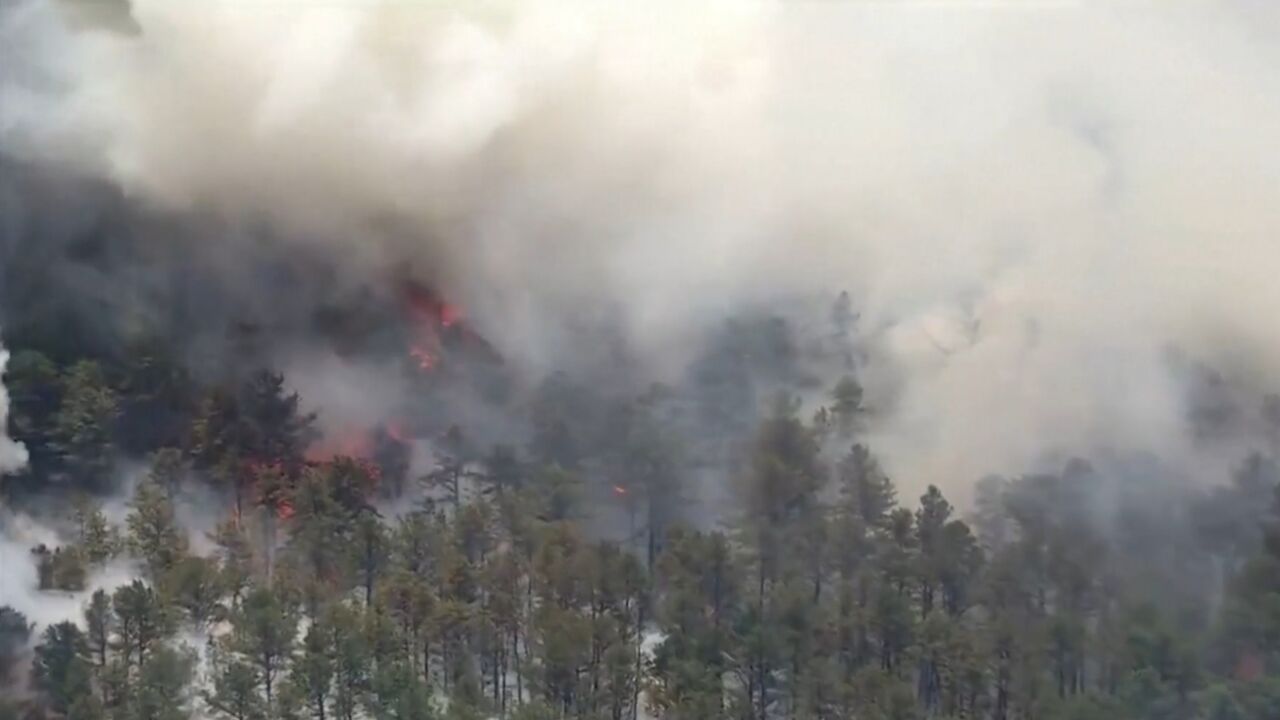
(396, 431)
(427, 308)
(359, 443)
(449, 314)
(352, 442)
(429, 316)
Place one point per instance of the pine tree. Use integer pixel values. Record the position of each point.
(163, 687)
(97, 540)
(100, 627)
(154, 534)
(141, 620)
(83, 426)
(194, 586)
(311, 673)
(234, 693)
(15, 631)
(60, 669)
(263, 633)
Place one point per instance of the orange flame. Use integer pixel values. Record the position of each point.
(355, 443)
(359, 443)
(428, 316)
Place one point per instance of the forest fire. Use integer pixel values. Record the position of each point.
(429, 316)
(427, 309)
(359, 443)
(437, 327)
(395, 430)
(355, 443)
(848, 369)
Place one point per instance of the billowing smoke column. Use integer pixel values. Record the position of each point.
(13, 456)
(1035, 206)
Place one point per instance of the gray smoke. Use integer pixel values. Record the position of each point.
(1033, 204)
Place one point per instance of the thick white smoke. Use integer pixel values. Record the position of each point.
(13, 455)
(1031, 202)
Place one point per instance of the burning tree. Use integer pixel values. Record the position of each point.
(251, 425)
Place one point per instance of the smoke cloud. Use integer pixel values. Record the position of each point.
(1034, 205)
(13, 455)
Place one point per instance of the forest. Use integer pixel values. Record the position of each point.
(667, 360)
(495, 582)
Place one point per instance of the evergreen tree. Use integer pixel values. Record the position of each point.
(163, 687)
(97, 540)
(60, 668)
(234, 693)
(154, 534)
(263, 632)
(100, 627)
(311, 674)
(141, 620)
(15, 631)
(83, 427)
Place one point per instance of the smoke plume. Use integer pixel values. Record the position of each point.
(13, 456)
(1045, 212)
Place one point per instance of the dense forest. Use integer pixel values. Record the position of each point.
(569, 576)
(670, 360)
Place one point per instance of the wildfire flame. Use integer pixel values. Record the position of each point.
(435, 325)
(360, 443)
(431, 320)
(428, 310)
(354, 442)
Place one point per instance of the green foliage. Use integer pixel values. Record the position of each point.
(60, 569)
(100, 627)
(822, 597)
(194, 586)
(142, 622)
(255, 420)
(14, 633)
(97, 540)
(162, 690)
(399, 693)
(168, 468)
(154, 534)
(311, 674)
(82, 433)
(234, 693)
(158, 396)
(60, 669)
(35, 393)
(263, 632)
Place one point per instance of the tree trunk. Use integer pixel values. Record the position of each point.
(515, 652)
(635, 686)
